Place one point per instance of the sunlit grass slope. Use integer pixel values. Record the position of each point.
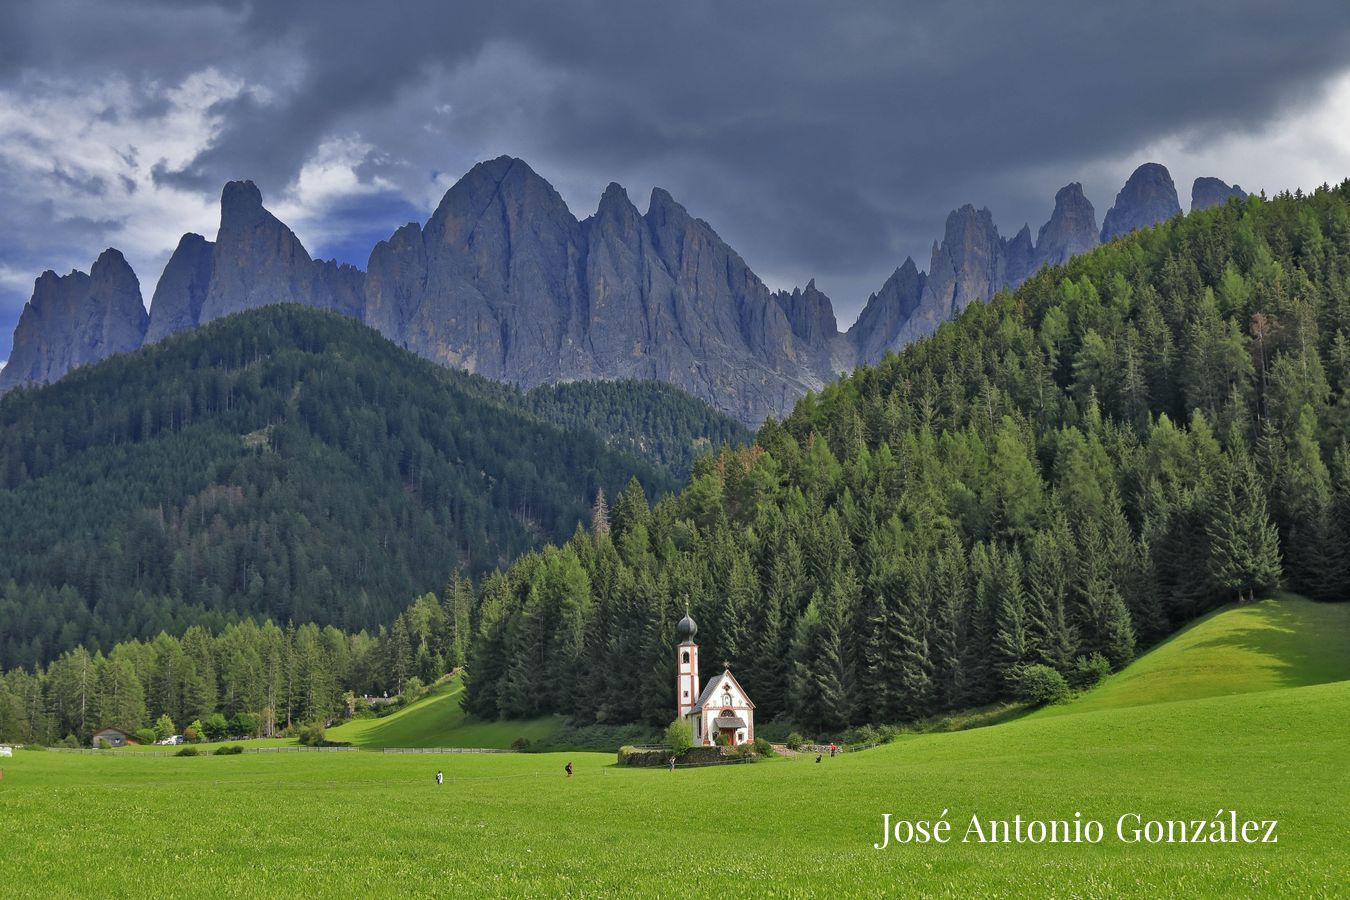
(1273, 643)
(437, 720)
(374, 824)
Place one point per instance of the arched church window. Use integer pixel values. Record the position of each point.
(686, 656)
(726, 699)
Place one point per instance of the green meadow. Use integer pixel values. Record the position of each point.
(437, 720)
(375, 824)
(1262, 646)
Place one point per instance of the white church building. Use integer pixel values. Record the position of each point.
(721, 707)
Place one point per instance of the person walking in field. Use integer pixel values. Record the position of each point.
(672, 764)
(568, 767)
(833, 750)
(440, 777)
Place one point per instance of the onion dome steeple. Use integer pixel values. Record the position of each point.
(686, 629)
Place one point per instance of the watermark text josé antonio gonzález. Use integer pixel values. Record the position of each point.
(1225, 827)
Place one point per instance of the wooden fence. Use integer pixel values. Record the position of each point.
(211, 752)
(446, 750)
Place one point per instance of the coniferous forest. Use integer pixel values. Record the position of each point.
(282, 463)
(1062, 476)
(651, 420)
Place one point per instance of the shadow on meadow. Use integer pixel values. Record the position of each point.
(1297, 641)
(1279, 642)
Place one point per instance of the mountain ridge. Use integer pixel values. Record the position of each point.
(505, 281)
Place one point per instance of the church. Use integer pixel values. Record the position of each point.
(722, 707)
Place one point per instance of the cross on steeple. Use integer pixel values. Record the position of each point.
(726, 664)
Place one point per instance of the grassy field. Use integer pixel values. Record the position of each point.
(377, 825)
(436, 720)
(1262, 646)
(372, 824)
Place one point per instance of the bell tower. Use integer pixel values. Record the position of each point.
(686, 667)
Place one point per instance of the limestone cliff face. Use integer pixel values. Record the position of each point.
(1019, 258)
(258, 261)
(1207, 192)
(255, 261)
(504, 281)
(815, 330)
(76, 319)
(879, 325)
(1148, 197)
(395, 282)
(972, 262)
(1072, 228)
(969, 264)
(177, 304)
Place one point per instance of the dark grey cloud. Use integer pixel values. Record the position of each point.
(825, 139)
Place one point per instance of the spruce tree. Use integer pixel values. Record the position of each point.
(1009, 645)
(876, 690)
(1244, 552)
(1100, 612)
(908, 631)
(1050, 639)
(818, 695)
(1305, 493)
(630, 509)
(951, 594)
(980, 685)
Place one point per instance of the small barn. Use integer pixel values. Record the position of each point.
(115, 737)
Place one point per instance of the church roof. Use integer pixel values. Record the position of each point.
(728, 722)
(714, 684)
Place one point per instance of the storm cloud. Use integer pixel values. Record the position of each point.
(821, 140)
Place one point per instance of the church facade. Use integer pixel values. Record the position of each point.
(721, 707)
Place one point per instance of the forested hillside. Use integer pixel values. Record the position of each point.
(1071, 470)
(652, 420)
(284, 463)
(249, 678)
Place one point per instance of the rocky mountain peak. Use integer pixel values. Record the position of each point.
(241, 205)
(1148, 197)
(810, 313)
(1207, 192)
(76, 319)
(616, 209)
(970, 263)
(496, 199)
(504, 281)
(1019, 256)
(664, 211)
(395, 279)
(886, 313)
(1072, 228)
(178, 299)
